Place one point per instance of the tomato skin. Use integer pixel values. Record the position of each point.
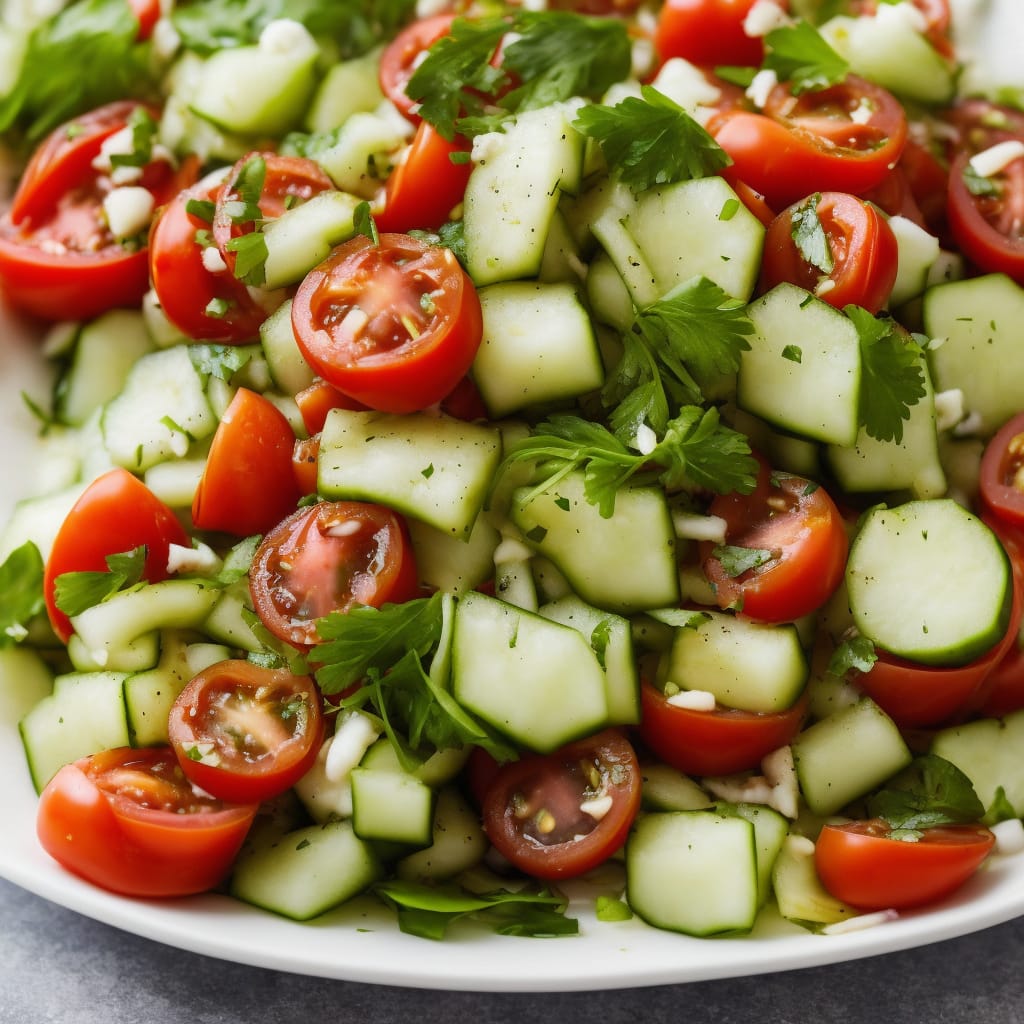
(719, 742)
(808, 143)
(328, 558)
(401, 56)
(248, 485)
(317, 400)
(306, 463)
(351, 318)
(859, 864)
(708, 32)
(798, 520)
(423, 190)
(147, 12)
(278, 714)
(555, 783)
(864, 253)
(183, 285)
(115, 513)
(1001, 482)
(94, 821)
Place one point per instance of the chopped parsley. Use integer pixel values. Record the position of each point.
(77, 591)
(810, 237)
(21, 583)
(798, 54)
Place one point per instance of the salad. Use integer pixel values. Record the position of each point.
(496, 446)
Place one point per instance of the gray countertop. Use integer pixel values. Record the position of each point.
(57, 966)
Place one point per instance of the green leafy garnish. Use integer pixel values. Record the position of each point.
(77, 591)
(237, 561)
(144, 133)
(977, 184)
(651, 140)
(735, 560)
(609, 908)
(855, 654)
(1000, 809)
(427, 911)
(892, 381)
(221, 361)
(809, 236)
(21, 584)
(251, 254)
(930, 791)
(798, 54)
(364, 224)
(248, 188)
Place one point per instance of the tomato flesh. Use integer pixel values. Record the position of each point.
(562, 814)
(1001, 483)
(129, 821)
(245, 733)
(862, 865)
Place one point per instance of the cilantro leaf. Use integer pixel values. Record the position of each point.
(364, 224)
(77, 591)
(977, 184)
(809, 236)
(856, 654)
(735, 560)
(798, 54)
(83, 57)
(21, 584)
(221, 361)
(892, 380)
(427, 911)
(143, 130)
(251, 254)
(651, 140)
(930, 791)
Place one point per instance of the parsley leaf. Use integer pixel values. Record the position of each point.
(798, 54)
(221, 361)
(892, 380)
(977, 184)
(83, 57)
(364, 224)
(856, 654)
(251, 254)
(651, 140)
(144, 133)
(930, 791)
(21, 584)
(428, 910)
(735, 560)
(809, 236)
(77, 591)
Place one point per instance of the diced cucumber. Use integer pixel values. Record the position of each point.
(360, 158)
(611, 639)
(149, 695)
(391, 806)
(561, 262)
(435, 469)
(451, 563)
(288, 367)
(135, 656)
(533, 680)
(162, 410)
(624, 563)
(929, 581)
(848, 754)
(988, 752)
(37, 520)
(231, 618)
(104, 352)
(802, 372)
(746, 665)
(665, 788)
(457, 841)
(538, 346)
(693, 872)
(349, 87)
(513, 192)
(440, 767)
(84, 714)
(175, 483)
(770, 831)
(25, 680)
(607, 295)
(798, 891)
(611, 227)
(917, 252)
(975, 325)
(306, 872)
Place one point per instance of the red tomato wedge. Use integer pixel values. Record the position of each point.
(708, 32)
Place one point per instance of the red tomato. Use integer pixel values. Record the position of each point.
(1001, 483)
(394, 325)
(798, 523)
(316, 401)
(305, 463)
(862, 246)
(861, 865)
(465, 402)
(422, 191)
(808, 143)
(1003, 689)
(115, 513)
(287, 180)
(708, 32)
(754, 202)
(248, 485)
(719, 742)
(534, 812)
(245, 733)
(402, 56)
(328, 558)
(58, 259)
(989, 228)
(205, 305)
(129, 821)
(916, 189)
(148, 14)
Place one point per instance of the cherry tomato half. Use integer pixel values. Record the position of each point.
(327, 558)
(128, 820)
(247, 485)
(402, 56)
(860, 864)
(115, 513)
(58, 258)
(394, 325)
(1001, 482)
(708, 32)
(305, 463)
(245, 733)
(561, 814)
(862, 252)
(811, 142)
(317, 400)
(799, 530)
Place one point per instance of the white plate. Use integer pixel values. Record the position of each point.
(360, 942)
